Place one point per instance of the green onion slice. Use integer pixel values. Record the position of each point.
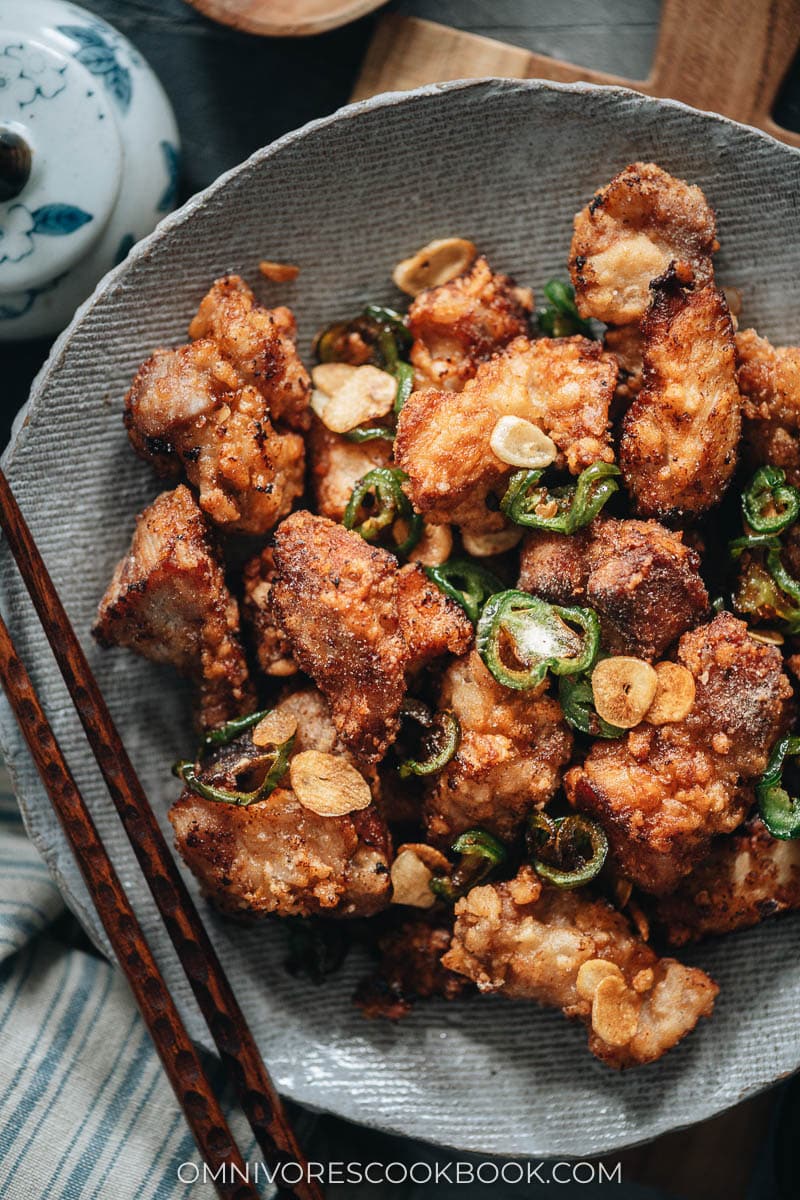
(780, 812)
(566, 851)
(466, 582)
(441, 740)
(540, 637)
(480, 853)
(577, 701)
(275, 762)
(529, 504)
(770, 504)
(377, 501)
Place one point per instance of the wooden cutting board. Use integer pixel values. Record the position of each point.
(726, 56)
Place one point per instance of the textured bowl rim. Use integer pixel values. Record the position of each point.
(10, 737)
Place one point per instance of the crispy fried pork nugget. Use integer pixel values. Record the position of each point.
(514, 747)
(168, 601)
(186, 407)
(769, 381)
(532, 942)
(629, 233)
(410, 969)
(563, 385)
(357, 625)
(336, 465)
(662, 792)
(746, 878)
(640, 578)
(260, 343)
(680, 435)
(272, 647)
(462, 323)
(275, 855)
(625, 343)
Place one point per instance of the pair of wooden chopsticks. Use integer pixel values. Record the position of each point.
(256, 1093)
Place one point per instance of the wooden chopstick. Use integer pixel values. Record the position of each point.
(181, 1062)
(256, 1093)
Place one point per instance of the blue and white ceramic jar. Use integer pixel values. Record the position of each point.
(88, 159)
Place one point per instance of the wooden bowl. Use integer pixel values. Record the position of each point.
(285, 18)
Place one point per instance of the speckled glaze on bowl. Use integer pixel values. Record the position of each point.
(506, 163)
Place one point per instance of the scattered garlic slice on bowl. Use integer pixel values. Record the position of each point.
(345, 396)
(412, 871)
(434, 264)
(484, 545)
(623, 688)
(327, 784)
(519, 443)
(674, 694)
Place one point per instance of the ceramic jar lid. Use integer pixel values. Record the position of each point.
(88, 159)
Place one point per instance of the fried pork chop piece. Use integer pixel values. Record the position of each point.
(276, 856)
(462, 323)
(629, 233)
(187, 407)
(662, 792)
(261, 345)
(410, 969)
(514, 747)
(640, 578)
(746, 878)
(769, 381)
(531, 942)
(336, 465)
(357, 625)
(563, 385)
(680, 435)
(272, 647)
(168, 601)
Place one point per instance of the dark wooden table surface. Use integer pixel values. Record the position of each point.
(233, 93)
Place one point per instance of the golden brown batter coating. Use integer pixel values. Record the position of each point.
(186, 408)
(169, 602)
(462, 323)
(680, 435)
(532, 942)
(514, 747)
(630, 232)
(746, 878)
(271, 645)
(769, 381)
(410, 969)
(641, 579)
(260, 343)
(336, 465)
(348, 611)
(563, 385)
(662, 792)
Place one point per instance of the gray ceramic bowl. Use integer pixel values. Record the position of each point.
(506, 163)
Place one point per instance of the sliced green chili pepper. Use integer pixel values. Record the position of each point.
(390, 503)
(566, 851)
(770, 504)
(577, 700)
(780, 812)
(223, 734)
(393, 319)
(576, 505)
(466, 582)
(187, 772)
(370, 433)
(405, 384)
(441, 741)
(480, 854)
(560, 316)
(763, 589)
(539, 636)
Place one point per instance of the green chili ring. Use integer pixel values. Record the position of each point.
(769, 485)
(779, 811)
(404, 373)
(449, 728)
(480, 854)
(563, 838)
(577, 701)
(393, 504)
(478, 584)
(522, 617)
(577, 504)
(560, 318)
(224, 734)
(369, 433)
(186, 771)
